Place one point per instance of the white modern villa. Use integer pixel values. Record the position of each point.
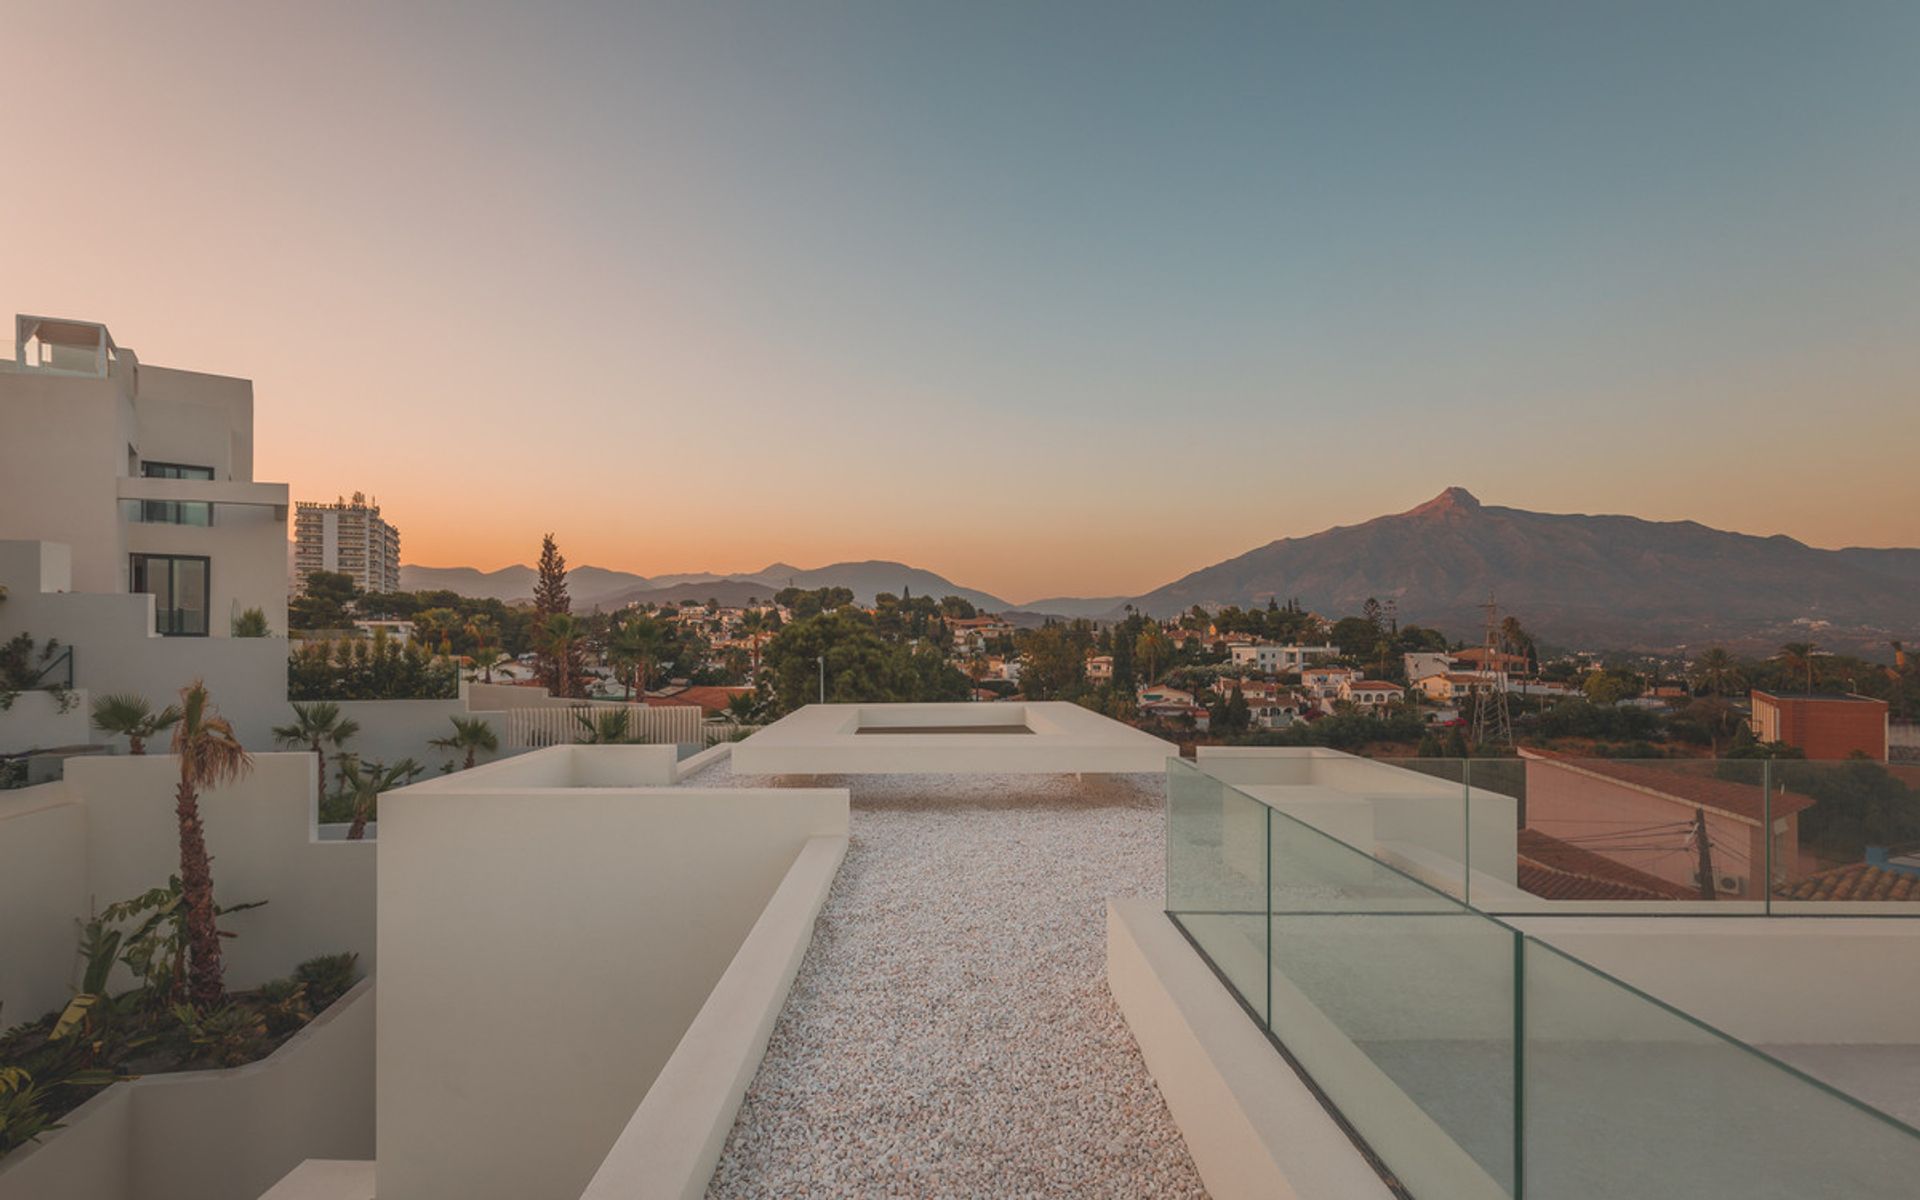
(132, 530)
(911, 950)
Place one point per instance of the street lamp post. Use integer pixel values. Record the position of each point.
(823, 679)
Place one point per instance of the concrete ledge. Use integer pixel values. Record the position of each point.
(1254, 1129)
(326, 1179)
(672, 1143)
(694, 764)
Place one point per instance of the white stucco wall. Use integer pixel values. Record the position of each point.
(108, 833)
(115, 650)
(43, 889)
(215, 1135)
(391, 730)
(36, 721)
(552, 945)
(670, 1147)
(63, 444)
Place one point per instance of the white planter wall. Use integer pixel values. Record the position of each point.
(215, 1135)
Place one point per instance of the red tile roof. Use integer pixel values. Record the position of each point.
(1557, 870)
(1687, 786)
(707, 699)
(1855, 881)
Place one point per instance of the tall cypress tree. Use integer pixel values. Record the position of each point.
(550, 591)
(550, 598)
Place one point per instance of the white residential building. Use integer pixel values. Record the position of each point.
(348, 537)
(131, 527)
(1422, 663)
(1449, 686)
(1274, 659)
(1324, 683)
(1370, 694)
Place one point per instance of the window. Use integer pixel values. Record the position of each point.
(178, 584)
(175, 512)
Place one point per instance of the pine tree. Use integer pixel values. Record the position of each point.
(562, 675)
(1239, 714)
(550, 592)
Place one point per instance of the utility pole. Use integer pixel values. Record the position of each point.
(1705, 851)
(823, 679)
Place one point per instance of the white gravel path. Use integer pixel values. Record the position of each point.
(950, 1032)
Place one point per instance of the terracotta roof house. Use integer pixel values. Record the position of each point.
(1643, 815)
(1557, 870)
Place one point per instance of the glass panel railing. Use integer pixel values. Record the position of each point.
(1475, 1059)
(1217, 866)
(1625, 1096)
(1398, 1001)
(1411, 813)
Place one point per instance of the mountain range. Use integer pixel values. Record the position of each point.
(1577, 580)
(1574, 580)
(601, 587)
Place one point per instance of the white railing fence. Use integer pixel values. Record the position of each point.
(555, 726)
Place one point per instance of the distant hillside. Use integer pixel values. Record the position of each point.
(1074, 606)
(733, 593)
(1579, 580)
(868, 579)
(597, 587)
(584, 584)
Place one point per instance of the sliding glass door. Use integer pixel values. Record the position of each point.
(178, 583)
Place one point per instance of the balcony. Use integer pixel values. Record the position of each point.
(214, 492)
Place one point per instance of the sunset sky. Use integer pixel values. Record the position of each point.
(1051, 299)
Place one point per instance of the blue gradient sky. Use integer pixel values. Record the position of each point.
(1050, 298)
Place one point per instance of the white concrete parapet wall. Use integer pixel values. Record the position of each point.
(44, 720)
(548, 936)
(669, 1149)
(1037, 738)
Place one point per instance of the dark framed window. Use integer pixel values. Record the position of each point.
(175, 512)
(179, 584)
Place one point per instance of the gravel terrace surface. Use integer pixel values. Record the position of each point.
(950, 1032)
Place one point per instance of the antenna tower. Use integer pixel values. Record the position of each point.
(1492, 720)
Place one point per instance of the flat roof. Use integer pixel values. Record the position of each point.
(1050, 738)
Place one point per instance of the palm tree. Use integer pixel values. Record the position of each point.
(1799, 657)
(637, 645)
(1717, 671)
(485, 660)
(485, 636)
(210, 756)
(365, 786)
(602, 727)
(1151, 649)
(470, 734)
(742, 707)
(317, 726)
(131, 715)
(561, 637)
